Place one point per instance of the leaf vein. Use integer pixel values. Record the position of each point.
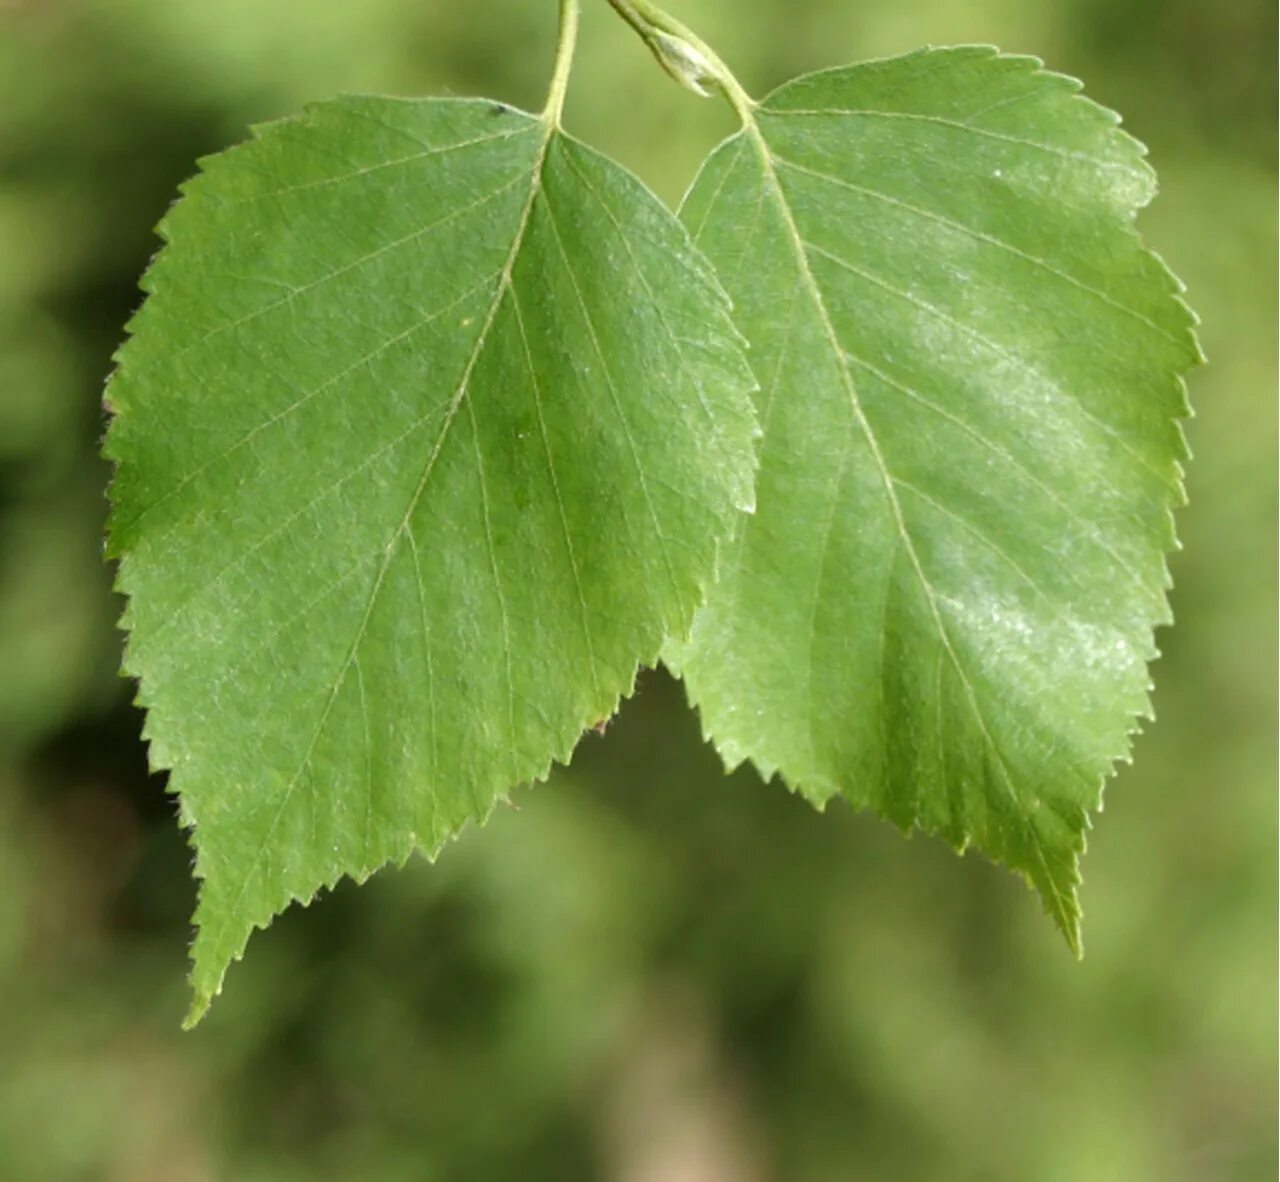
(368, 765)
(381, 166)
(535, 388)
(654, 303)
(941, 121)
(426, 649)
(999, 350)
(309, 395)
(1088, 528)
(503, 614)
(696, 235)
(347, 268)
(589, 324)
(980, 236)
(969, 527)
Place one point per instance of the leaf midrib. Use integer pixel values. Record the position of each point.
(504, 282)
(797, 242)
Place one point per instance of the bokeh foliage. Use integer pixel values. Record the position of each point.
(647, 970)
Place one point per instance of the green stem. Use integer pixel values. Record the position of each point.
(565, 45)
(684, 55)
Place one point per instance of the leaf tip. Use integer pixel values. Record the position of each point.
(1074, 937)
(200, 1004)
(1062, 902)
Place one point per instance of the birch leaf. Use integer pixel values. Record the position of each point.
(970, 378)
(425, 439)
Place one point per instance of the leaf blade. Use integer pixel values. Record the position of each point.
(970, 389)
(375, 513)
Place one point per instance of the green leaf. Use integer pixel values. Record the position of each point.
(970, 390)
(425, 437)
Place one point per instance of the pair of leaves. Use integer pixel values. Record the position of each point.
(436, 425)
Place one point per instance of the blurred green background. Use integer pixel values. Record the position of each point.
(646, 971)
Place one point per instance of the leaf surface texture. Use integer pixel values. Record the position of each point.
(425, 438)
(970, 391)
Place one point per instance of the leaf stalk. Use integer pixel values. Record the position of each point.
(566, 43)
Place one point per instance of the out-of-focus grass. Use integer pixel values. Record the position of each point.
(649, 970)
